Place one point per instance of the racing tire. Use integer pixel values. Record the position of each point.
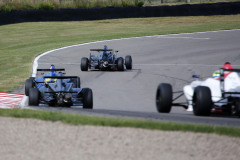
(202, 101)
(84, 64)
(31, 78)
(128, 62)
(28, 84)
(237, 104)
(77, 82)
(87, 98)
(120, 64)
(33, 97)
(164, 98)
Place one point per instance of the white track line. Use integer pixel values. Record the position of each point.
(183, 37)
(35, 63)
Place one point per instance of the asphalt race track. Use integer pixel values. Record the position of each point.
(156, 59)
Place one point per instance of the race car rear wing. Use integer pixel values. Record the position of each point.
(222, 70)
(61, 77)
(48, 70)
(101, 50)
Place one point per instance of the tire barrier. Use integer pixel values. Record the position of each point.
(119, 12)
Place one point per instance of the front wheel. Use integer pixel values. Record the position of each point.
(87, 98)
(33, 97)
(202, 101)
(84, 64)
(164, 98)
(128, 62)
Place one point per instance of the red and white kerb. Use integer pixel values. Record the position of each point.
(10, 100)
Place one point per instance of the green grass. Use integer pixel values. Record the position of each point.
(75, 119)
(21, 43)
(10, 5)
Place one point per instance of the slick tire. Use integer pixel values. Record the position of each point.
(128, 62)
(202, 101)
(87, 98)
(164, 98)
(237, 105)
(84, 64)
(120, 64)
(28, 84)
(33, 97)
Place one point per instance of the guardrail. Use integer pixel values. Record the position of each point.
(119, 12)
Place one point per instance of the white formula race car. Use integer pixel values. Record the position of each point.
(203, 97)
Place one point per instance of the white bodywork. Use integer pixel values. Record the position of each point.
(231, 84)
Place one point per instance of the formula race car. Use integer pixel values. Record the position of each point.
(220, 94)
(54, 89)
(106, 59)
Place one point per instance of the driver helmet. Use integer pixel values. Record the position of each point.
(52, 73)
(105, 53)
(216, 74)
(227, 65)
(52, 67)
(105, 47)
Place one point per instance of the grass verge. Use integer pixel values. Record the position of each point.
(75, 119)
(21, 43)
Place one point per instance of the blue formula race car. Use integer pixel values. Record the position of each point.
(105, 60)
(55, 89)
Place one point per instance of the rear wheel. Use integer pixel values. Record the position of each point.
(87, 98)
(32, 78)
(84, 64)
(202, 101)
(33, 97)
(128, 62)
(237, 107)
(28, 84)
(120, 64)
(164, 98)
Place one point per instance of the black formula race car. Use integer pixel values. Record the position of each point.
(105, 59)
(58, 90)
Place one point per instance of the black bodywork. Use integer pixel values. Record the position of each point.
(105, 59)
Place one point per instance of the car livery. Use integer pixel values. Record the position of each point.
(54, 89)
(105, 59)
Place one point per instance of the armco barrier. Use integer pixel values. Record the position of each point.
(119, 12)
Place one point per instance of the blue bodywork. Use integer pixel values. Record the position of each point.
(106, 59)
(58, 90)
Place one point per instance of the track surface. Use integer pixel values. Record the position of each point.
(168, 58)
